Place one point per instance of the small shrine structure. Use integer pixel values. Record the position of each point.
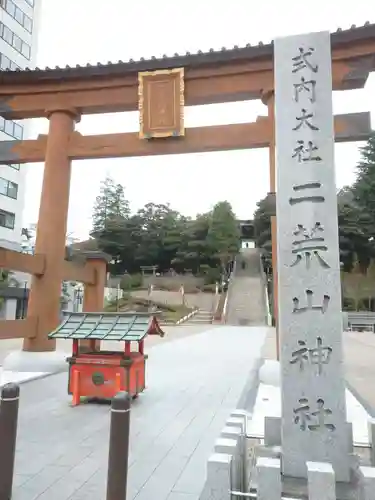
(96, 373)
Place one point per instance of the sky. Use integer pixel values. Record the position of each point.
(90, 31)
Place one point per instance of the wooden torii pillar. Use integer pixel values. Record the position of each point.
(268, 98)
(44, 300)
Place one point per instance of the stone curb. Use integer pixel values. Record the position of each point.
(361, 400)
(34, 378)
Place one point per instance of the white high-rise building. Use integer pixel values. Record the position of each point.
(18, 46)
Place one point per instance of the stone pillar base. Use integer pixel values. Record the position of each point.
(41, 362)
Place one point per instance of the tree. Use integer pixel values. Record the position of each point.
(223, 235)
(110, 206)
(110, 222)
(193, 251)
(262, 229)
(355, 246)
(7, 278)
(158, 233)
(364, 186)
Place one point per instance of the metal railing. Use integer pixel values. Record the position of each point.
(268, 316)
(229, 291)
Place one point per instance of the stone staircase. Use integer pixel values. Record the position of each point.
(201, 317)
(246, 294)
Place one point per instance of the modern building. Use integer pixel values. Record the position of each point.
(28, 238)
(18, 46)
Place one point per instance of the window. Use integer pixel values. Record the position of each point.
(17, 14)
(4, 62)
(7, 219)
(14, 66)
(18, 131)
(8, 188)
(15, 41)
(28, 24)
(26, 50)
(10, 7)
(12, 190)
(30, 2)
(11, 128)
(8, 35)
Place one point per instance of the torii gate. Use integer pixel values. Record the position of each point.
(159, 89)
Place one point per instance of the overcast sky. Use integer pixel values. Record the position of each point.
(80, 31)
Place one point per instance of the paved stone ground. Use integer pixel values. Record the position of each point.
(171, 333)
(359, 362)
(193, 384)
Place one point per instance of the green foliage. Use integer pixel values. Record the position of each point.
(356, 213)
(110, 207)
(353, 236)
(212, 275)
(223, 235)
(356, 217)
(131, 282)
(364, 186)
(193, 252)
(262, 229)
(158, 235)
(168, 312)
(7, 278)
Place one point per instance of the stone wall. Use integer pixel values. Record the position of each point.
(174, 282)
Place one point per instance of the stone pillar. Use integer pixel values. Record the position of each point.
(269, 479)
(314, 427)
(44, 300)
(218, 483)
(366, 483)
(268, 98)
(321, 481)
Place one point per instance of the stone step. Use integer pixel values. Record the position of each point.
(246, 299)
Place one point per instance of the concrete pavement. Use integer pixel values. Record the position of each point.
(193, 384)
(359, 363)
(171, 333)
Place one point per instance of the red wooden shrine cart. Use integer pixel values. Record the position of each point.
(101, 374)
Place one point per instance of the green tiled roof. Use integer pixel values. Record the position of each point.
(107, 326)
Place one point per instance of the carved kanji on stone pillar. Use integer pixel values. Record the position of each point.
(161, 103)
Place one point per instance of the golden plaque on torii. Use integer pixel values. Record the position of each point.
(161, 103)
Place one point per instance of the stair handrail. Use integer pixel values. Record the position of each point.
(265, 291)
(230, 287)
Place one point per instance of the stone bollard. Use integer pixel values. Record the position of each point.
(9, 401)
(321, 481)
(269, 478)
(118, 447)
